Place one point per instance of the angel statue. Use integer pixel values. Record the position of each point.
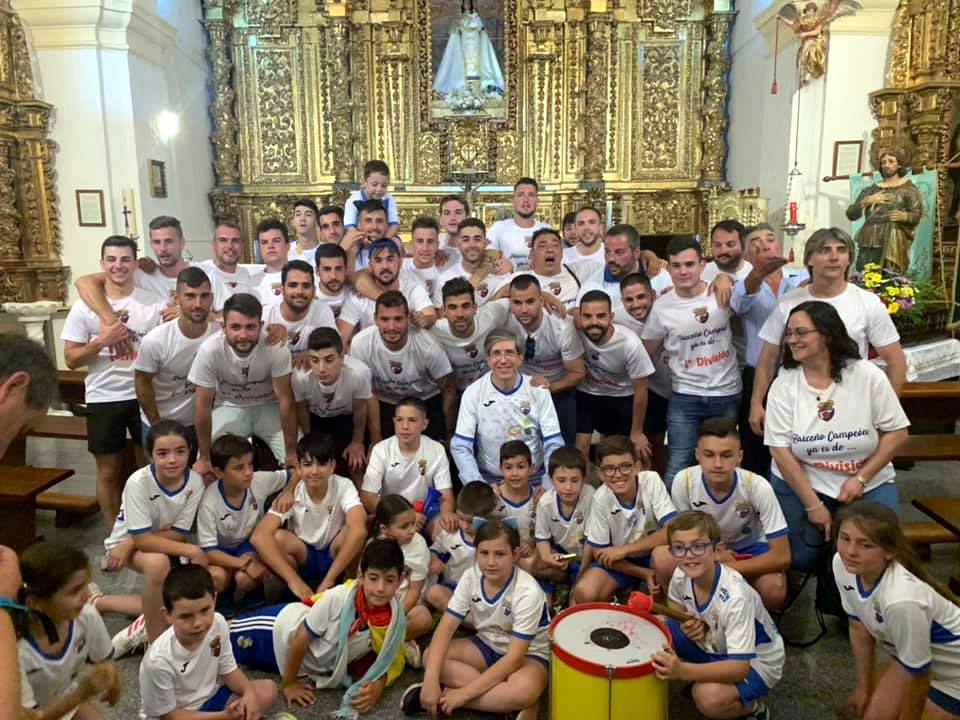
(811, 23)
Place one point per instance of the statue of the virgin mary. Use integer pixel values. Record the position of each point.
(469, 60)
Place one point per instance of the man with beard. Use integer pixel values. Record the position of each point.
(552, 352)
(384, 272)
(513, 236)
(727, 245)
(167, 352)
(109, 386)
(613, 396)
(589, 247)
(273, 241)
(225, 263)
(892, 209)
(298, 312)
(305, 225)
(243, 386)
(405, 362)
(332, 290)
(484, 272)
(330, 224)
(753, 300)
(454, 209)
(371, 226)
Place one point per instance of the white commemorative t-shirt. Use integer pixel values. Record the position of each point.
(427, 276)
(564, 286)
(564, 532)
(391, 472)
(308, 255)
(416, 561)
(513, 241)
(481, 294)
(660, 382)
(710, 272)
(317, 523)
(358, 310)
(334, 400)
(863, 314)
(489, 417)
(109, 379)
(466, 354)
(174, 678)
(739, 627)
(223, 526)
(412, 370)
(611, 523)
(334, 302)
(573, 255)
(167, 354)
(524, 512)
(43, 678)
(613, 366)
(912, 621)
(239, 381)
(268, 287)
(298, 331)
(833, 432)
(233, 283)
(749, 513)
(555, 342)
(148, 506)
(164, 289)
(519, 610)
(456, 552)
(697, 342)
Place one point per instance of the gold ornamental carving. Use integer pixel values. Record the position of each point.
(226, 152)
(715, 83)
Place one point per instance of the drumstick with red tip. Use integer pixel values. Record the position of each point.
(645, 603)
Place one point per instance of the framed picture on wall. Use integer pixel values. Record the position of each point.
(90, 210)
(847, 158)
(158, 178)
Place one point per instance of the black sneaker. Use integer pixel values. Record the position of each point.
(760, 711)
(410, 700)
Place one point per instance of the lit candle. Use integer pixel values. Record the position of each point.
(793, 213)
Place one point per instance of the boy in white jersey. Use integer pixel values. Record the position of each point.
(745, 507)
(332, 288)
(334, 397)
(191, 669)
(730, 648)
(625, 523)
(110, 394)
(305, 223)
(326, 526)
(518, 500)
(560, 524)
(298, 312)
(513, 236)
(273, 244)
(230, 510)
(453, 552)
(411, 464)
(695, 334)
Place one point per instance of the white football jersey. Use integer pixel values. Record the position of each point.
(355, 383)
(416, 561)
(221, 525)
(239, 381)
(148, 506)
(554, 343)
(390, 471)
(611, 523)
(412, 370)
(564, 532)
(613, 366)
(317, 523)
(456, 552)
(298, 331)
(466, 354)
(524, 512)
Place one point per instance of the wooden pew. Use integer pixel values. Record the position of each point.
(19, 488)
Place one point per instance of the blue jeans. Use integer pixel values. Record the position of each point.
(806, 539)
(684, 413)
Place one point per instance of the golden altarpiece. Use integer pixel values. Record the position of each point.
(618, 103)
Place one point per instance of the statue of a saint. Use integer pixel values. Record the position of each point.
(812, 27)
(470, 59)
(892, 209)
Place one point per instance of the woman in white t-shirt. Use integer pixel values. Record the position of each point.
(833, 426)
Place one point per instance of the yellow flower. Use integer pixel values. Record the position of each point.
(892, 291)
(893, 308)
(906, 292)
(873, 278)
(871, 266)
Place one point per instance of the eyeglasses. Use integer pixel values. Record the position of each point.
(611, 470)
(799, 332)
(679, 550)
(530, 349)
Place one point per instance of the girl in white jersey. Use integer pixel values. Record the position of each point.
(892, 599)
(503, 668)
(64, 648)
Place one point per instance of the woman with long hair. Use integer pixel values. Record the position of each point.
(891, 598)
(833, 425)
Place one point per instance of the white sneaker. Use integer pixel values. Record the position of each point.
(131, 638)
(412, 654)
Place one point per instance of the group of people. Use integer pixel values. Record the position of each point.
(474, 429)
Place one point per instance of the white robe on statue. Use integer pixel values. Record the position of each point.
(469, 56)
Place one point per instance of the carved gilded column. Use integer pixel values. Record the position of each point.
(341, 104)
(599, 30)
(9, 217)
(226, 150)
(716, 89)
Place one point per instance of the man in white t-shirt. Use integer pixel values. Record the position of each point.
(486, 269)
(589, 247)
(243, 386)
(728, 246)
(695, 334)
(454, 209)
(552, 351)
(298, 312)
(513, 237)
(828, 255)
(560, 281)
(227, 250)
(332, 290)
(405, 361)
(305, 225)
(425, 261)
(273, 244)
(384, 274)
(167, 352)
(109, 388)
(613, 395)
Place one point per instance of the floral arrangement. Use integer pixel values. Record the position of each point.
(467, 99)
(906, 300)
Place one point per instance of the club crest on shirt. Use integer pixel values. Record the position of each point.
(336, 311)
(524, 406)
(232, 283)
(743, 510)
(507, 611)
(277, 288)
(876, 612)
(215, 646)
(701, 314)
(515, 432)
(825, 410)
(483, 290)
(123, 315)
(293, 338)
(81, 643)
(395, 367)
(578, 517)
(328, 397)
(422, 464)
(245, 371)
(173, 295)
(554, 287)
(253, 503)
(595, 356)
(528, 239)
(471, 351)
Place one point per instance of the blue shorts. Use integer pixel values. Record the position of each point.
(622, 579)
(751, 688)
(244, 548)
(218, 701)
(550, 586)
(490, 656)
(944, 701)
(754, 550)
(251, 637)
(317, 564)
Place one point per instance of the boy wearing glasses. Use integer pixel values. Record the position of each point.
(752, 525)
(624, 525)
(730, 648)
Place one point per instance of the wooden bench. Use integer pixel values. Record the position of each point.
(930, 448)
(19, 488)
(68, 507)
